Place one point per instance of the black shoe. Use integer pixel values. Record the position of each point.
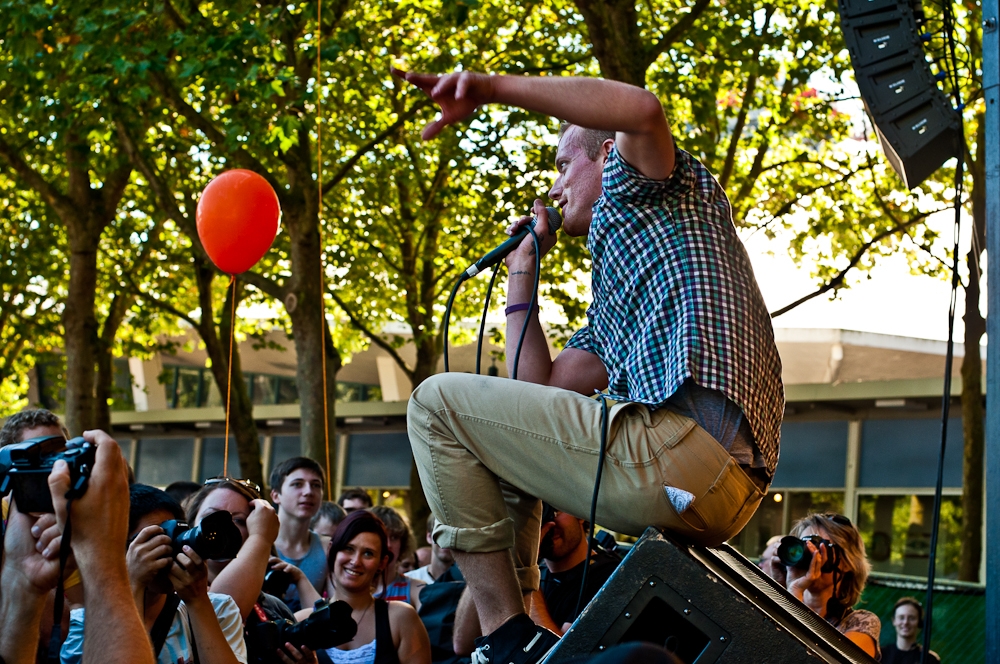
(517, 641)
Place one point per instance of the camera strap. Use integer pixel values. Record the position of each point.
(158, 635)
(55, 642)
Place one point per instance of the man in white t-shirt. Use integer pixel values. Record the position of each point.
(441, 559)
(208, 623)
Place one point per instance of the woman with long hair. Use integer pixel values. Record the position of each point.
(832, 593)
(388, 632)
(243, 577)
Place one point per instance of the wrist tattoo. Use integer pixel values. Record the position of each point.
(520, 272)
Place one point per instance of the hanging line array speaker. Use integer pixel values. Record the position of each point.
(916, 124)
(704, 606)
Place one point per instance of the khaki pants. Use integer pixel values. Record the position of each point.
(487, 449)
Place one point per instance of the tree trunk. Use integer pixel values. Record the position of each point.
(304, 305)
(973, 411)
(614, 33)
(105, 382)
(80, 327)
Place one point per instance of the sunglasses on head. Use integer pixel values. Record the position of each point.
(251, 488)
(838, 519)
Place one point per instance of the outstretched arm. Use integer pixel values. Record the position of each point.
(643, 135)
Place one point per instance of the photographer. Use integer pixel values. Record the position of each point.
(99, 530)
(186, 622)
(257, 523)
(829, 590)
(243, 577)
(386, 631)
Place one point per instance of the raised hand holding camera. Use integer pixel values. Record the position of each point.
(25, 468)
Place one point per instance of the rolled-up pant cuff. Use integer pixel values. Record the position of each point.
(494, 537)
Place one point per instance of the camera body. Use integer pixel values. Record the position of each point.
(329, 626)
(793, 552)
(215, 538)
(276, 582)
(25, 469)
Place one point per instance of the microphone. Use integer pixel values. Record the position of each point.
(509, 245)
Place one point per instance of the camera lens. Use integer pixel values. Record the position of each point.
(215, 538)
(793, 552)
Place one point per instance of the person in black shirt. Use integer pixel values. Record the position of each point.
(908, 619)
(563, 549)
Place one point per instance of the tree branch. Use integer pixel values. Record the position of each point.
(265, 285)
(346, 167)
(375, 339)
(214, 134)
(838, 280)
(676, 31)
(59, 202)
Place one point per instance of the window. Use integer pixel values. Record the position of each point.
(896, 530)
(213, 451)
(284, 448)
(904, 453)
(813, 455)
(778, 512)
(378, 460)
(161, 461)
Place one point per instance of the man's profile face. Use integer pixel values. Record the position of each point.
(578, 185)
(564, 537)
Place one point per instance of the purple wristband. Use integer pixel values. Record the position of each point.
(516, 307)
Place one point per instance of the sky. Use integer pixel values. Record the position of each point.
(893, 301)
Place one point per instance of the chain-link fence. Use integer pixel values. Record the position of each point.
(959, 628)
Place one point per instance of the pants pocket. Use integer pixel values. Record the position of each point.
(642, 437)
(724, 496)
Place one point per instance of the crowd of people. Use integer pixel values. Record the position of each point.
(177, 607)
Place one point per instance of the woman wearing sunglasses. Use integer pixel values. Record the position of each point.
(835, 577)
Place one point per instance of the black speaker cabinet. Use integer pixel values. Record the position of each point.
(914, 120)
(705, 606)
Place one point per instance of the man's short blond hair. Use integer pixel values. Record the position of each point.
(591, 140)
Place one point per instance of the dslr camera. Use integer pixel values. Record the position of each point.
(276, 581)
(793, 552)
(329, 626)
(215, 538)
(25, 468)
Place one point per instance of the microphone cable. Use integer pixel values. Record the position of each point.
(517, 359)
(532, 303)
(482, 320)
(593, 501)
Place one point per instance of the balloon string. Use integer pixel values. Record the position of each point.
(319, 213)
(229, 381)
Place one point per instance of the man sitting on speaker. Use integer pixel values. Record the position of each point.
(678, 335)
(827, 570)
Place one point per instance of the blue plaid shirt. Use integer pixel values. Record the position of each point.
(674, 297)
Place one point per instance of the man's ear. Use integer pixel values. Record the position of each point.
(606, 148)
(275, 497)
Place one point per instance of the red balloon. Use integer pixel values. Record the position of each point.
(237, 219)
